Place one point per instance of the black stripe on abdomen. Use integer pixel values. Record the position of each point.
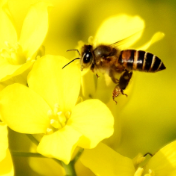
(148, 63)
(140, 60)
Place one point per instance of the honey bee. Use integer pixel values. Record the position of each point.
(110, 59)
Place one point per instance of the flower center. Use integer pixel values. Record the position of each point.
(58, 119)
(13, 54)
(137, 161)
(140, 172)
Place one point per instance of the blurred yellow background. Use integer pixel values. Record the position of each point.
(148, 120)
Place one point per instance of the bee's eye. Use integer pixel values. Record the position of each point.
(87, 57)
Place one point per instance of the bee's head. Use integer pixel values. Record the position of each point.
(86, 56)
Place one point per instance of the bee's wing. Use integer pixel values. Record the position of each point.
(128, 41)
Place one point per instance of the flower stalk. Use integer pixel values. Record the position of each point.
(69, 169)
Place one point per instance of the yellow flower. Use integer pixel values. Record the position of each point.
(17, 54)
(49, 107)
(104, 161)
(6, 165)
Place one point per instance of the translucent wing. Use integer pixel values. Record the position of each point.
(128, 41)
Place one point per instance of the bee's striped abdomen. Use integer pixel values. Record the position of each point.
(140, 60)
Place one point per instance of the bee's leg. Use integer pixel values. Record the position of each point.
(97, 75)
(124, 80)
(113, 97)
(123, 93)
(114, 100)
(116, 92)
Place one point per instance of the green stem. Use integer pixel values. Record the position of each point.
(69, 169)
(29, 154)
(32, 138)
(78, 155)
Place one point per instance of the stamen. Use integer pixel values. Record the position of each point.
(58, 119)
(139, 172)
(56, 108)
(49, 131)
(13, 53)
(151, 172)
(62, 119)
(55, 123)
(8, 44)
(68, 114)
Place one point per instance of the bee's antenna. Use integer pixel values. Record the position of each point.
(70, 62)
(74, 50)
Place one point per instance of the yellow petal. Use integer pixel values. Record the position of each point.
(164, 161)
(34, 28)
(156, 37)
(54, 84)
(120, 27)
(104, 161)
(7, 30)
(3, 140)
(88, 86)
(6, 166)
(93, 120)
(23, 110)
(21, 78)
(9, 71)
(60, 144)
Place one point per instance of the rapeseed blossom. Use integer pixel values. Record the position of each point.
(103, 161)
(48, 106)
(17, 54)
